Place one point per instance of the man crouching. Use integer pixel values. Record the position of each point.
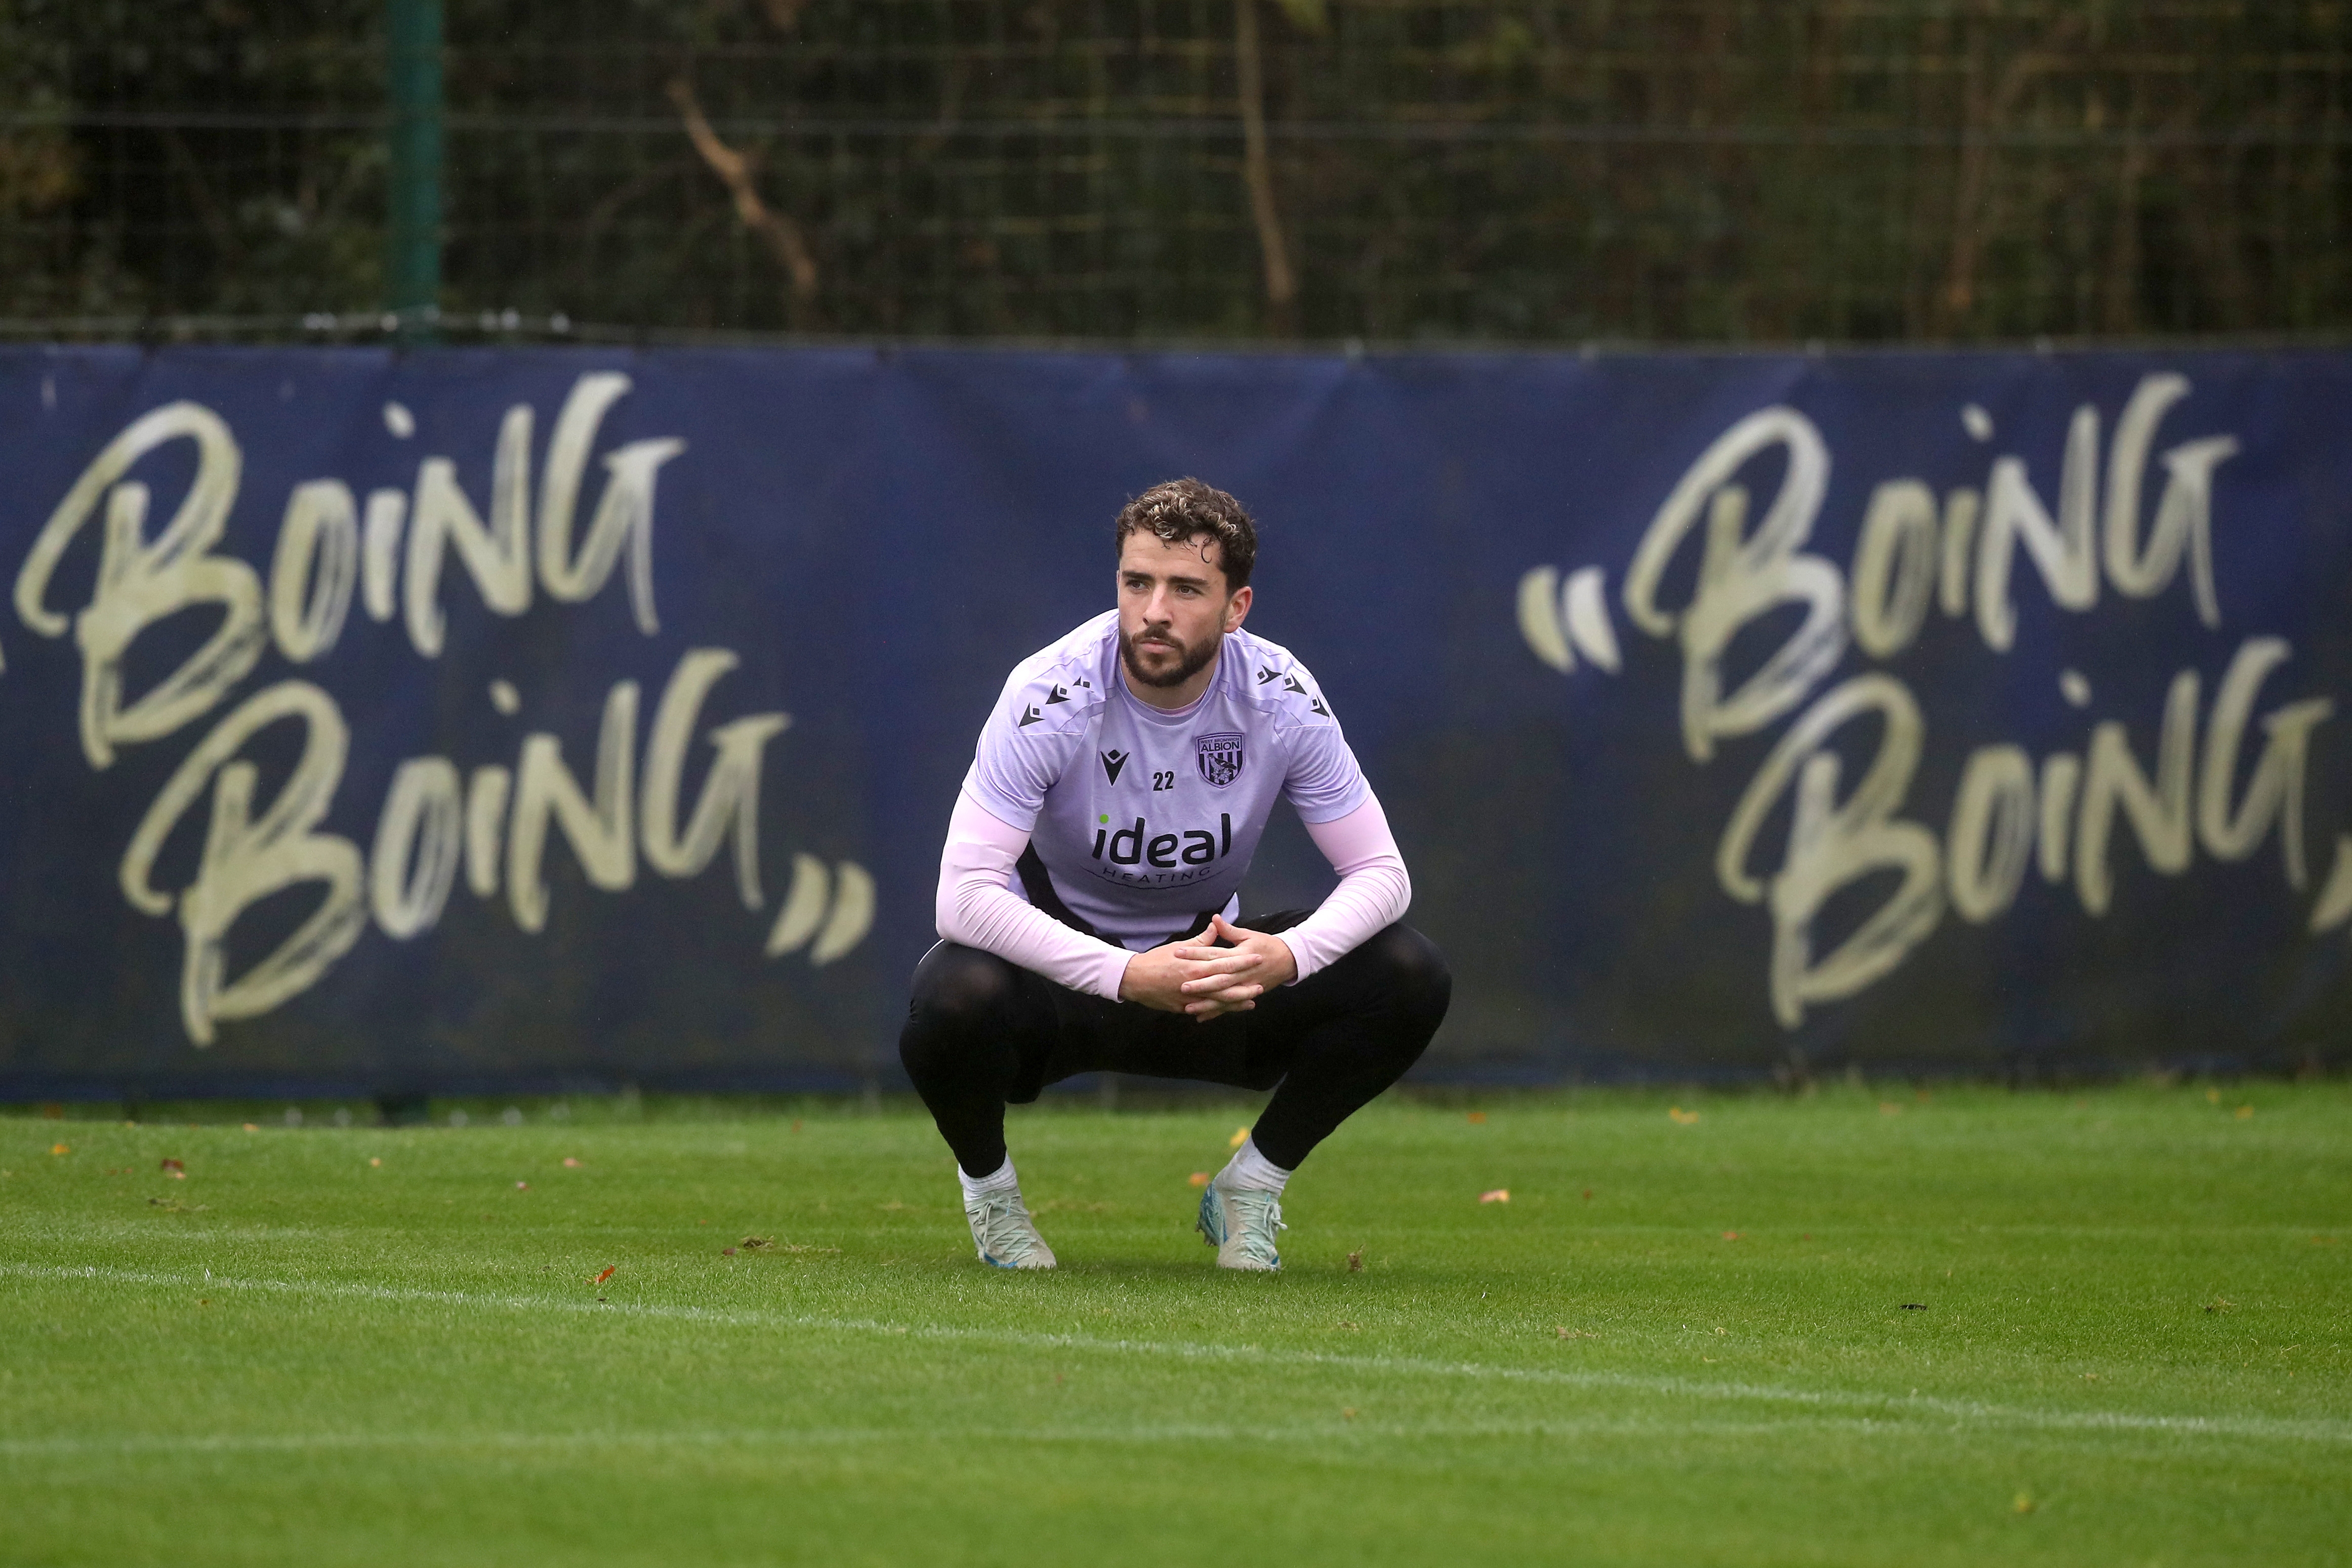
(1089, 893)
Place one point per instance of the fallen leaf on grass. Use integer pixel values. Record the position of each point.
(1567, 1333)
(571, 1163)
(1680, 1117)
(373, 1162)
(755, 1244)
(1198, 1179)
(1351, 1328)
(2219, 1304)
(602, 1278)
(1478, 1116)
(173, 1169)
(726, 1252)
(249, 1127)
(1500, 1196)
(1240, 1137)
(893, 1206)
(2024, 1504)
(1888, 1108)
(2244, 1111)
(522, 1186)
(60, 1148)
(1731, 1236)
(1356, 1261)
(1588, 1194)
(1348, 1413)
(2212, 1096)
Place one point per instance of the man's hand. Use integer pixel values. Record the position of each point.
(1208, 982)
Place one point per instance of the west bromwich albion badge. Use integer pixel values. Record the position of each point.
(1220, 757)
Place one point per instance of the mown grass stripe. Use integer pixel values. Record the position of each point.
(1893, 1406)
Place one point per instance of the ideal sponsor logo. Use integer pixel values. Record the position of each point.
(1137, 845)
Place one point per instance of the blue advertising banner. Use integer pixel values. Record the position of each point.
(507, 719)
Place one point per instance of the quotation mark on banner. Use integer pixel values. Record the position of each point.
(1561, 620)
(835, 907)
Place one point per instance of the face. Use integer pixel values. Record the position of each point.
(1173, 609)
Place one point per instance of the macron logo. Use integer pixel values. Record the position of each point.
(1028, 716)
(1112, 761)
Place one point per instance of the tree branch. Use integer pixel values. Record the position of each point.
(1281, 286)
(1986, 109)
(735, 170)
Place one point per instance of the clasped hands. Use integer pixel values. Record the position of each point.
(1209, 982)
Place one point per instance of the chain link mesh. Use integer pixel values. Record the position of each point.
(1661, 170)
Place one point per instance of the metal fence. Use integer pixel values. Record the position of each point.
(1140, 170)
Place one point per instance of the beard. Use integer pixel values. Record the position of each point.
(1193, 659)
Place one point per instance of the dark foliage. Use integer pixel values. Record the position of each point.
(1698, 170)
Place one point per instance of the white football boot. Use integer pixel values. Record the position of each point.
(1004, 1234)
(1240, 1223)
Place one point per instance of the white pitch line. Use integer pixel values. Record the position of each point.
(1355, 1433)
(1887, 1404)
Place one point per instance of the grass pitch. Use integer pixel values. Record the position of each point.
(1865, 1327)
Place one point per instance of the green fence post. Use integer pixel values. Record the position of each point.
(412, 262)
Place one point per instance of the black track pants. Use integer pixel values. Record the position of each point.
(982, 1033)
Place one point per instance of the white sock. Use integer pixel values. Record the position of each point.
(996, 1184)
(1248, 1168)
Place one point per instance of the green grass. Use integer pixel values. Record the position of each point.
(2131, 1343)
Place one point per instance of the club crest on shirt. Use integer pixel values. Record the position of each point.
(1219, 757)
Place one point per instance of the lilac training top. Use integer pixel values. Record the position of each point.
(1146, 819)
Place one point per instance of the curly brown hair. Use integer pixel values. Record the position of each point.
(1183, 510)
